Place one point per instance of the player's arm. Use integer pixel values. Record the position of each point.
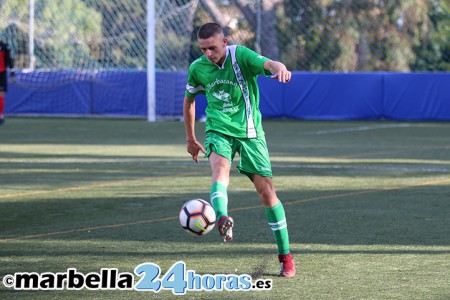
(278, 69)
(193, 146)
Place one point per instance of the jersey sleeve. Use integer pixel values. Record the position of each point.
(193, 87)
(254, 61)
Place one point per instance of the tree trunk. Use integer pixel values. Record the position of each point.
(263, 26)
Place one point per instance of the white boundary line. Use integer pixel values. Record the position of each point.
(359, 128)
(404, 169)
(337, 167)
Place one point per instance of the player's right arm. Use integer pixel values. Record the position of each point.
(193, 146)
(279, 70)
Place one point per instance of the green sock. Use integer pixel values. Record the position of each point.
(219, 199)
(277, 222)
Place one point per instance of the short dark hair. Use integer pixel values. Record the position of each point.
(208, 30)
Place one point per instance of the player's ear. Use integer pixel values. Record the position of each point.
(225, 40)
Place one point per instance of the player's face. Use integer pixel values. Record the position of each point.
(214, 48)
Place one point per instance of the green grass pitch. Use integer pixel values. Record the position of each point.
(368, 207)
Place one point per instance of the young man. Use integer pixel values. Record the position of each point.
(228, 77)
(5, 62)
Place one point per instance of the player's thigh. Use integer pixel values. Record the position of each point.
(254, 158)
(220, 168)
(220, 152)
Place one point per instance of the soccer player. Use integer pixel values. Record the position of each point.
(227, 75)
(5, 62)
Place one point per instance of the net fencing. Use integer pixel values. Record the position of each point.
(84, 38)
(96, 34)
(95, 48)
(309, 35)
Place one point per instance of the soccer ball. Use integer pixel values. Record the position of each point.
(197, 217)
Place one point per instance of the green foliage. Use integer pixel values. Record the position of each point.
(433, 45)
(58, 42)
(61, 41)
(399, 35)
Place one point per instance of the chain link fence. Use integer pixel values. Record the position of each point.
(340, 35)
(307, 35)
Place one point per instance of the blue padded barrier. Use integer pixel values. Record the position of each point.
(119, 93)
(49, 93)
(317, 96)
(417, 96)
(333, 96)
(272, 98)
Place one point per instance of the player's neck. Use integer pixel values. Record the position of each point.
(221, 61)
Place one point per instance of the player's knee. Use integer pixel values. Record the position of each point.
(267, 194)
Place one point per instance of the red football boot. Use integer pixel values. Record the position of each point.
(287, 265)
(225, 226)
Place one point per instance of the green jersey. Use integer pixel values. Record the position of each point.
(231, 90)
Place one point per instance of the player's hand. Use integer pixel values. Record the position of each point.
(194, 147)
(283, 76)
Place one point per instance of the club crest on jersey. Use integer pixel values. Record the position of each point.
(222, 95)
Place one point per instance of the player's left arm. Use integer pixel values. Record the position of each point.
(279, 70)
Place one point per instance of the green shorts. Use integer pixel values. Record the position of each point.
(254, 156)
